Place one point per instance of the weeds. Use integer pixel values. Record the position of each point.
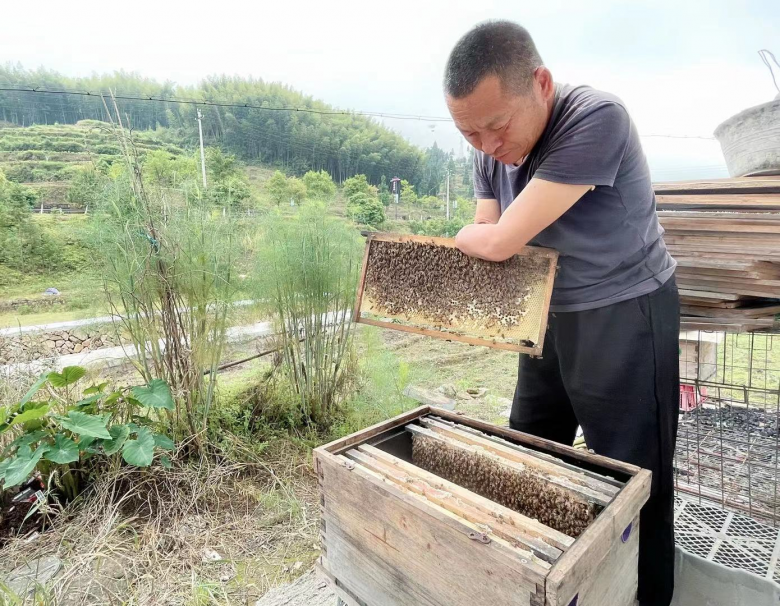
(308, 269)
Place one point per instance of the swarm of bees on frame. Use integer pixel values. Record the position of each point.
(446, 287)
(522, 491)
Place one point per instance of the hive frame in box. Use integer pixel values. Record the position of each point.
(535, 350)
(374, 533)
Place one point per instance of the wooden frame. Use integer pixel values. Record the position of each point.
(394, 534)
(535, 350)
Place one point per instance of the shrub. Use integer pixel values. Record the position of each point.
(61, 436)
(308, 268)
(366, 209)
(438, 227)
(319, 185)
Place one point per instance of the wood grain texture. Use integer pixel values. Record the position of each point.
(539, 556)
(341, 444)
(580, 564)
(535, 534)
(543, 445)
(392, 547)
(588, 488)
(533, 349)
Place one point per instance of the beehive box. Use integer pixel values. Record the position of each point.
(425, 285)
(436, 509)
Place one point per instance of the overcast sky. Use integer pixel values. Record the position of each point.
(681, 66)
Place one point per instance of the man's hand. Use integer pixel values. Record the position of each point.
(538, 205)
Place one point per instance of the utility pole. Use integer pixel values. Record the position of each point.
(202, 153)
(448, 194)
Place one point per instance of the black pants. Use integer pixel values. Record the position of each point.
(615, 371)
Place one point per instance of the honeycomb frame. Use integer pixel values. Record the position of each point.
(522, 332)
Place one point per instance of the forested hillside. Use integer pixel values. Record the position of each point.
(282, 127)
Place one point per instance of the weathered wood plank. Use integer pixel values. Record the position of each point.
(719, 201)
(743, 185)
(543, 445)
(591, 488)
(535, 453)
(528, 526)
(410, 542)
(581, 562)
(369, 432)
(539, 556)
(447, 336)
(579, 493)
(542, 542)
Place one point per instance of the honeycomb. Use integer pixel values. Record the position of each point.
(438, 287)
(520, 490)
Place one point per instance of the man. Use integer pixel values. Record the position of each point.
(562, 167)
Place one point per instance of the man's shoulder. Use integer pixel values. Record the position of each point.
(586, 97)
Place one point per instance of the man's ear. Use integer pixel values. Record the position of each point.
(544, 81)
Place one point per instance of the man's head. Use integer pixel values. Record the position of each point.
(498, 91)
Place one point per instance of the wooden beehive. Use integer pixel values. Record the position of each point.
(436, 509)
(425, 285)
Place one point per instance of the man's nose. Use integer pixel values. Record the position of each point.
(490, 143)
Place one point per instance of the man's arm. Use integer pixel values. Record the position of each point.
(488, 212)
(535, 208)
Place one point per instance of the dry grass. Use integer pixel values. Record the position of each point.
(208, 533)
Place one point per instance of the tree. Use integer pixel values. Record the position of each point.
(358, 185)
(86, 187)
(385, 197)
(277, 188)
(221, 166)
(319, 185)
(296, 190)
(408, 196)
(366, 209)
(231, 192)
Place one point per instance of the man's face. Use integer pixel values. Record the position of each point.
(500, 123)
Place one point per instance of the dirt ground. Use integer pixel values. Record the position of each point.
(227, 533)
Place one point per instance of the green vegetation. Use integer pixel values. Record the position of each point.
(65, 437)
(308, 268)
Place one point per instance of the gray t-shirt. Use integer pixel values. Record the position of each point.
(610, 242)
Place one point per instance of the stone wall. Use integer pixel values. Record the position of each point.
(40, 345)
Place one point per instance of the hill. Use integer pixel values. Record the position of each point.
(47, 157)
(258, 121)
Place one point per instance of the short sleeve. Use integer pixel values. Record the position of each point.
(590, 149)
(483, 190)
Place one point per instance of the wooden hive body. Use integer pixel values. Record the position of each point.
(394, 533)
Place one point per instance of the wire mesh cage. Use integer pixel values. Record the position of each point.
(426, 285)
(728, 441)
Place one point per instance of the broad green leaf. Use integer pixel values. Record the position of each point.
(155, 395)
(68, 376)
(112, 398)
(3, 414)
(27, 439)
(165, 462)
(94, 389)
(30, 415)
(163, 442)
(119, 434)
(85, 425)
(64, 450)
(89, 400)
(139, 452)
(4, 464)
(85, 442)
(21, 467)
(35, 387)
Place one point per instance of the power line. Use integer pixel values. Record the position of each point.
(306, 110)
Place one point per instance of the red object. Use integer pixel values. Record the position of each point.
(690, 398)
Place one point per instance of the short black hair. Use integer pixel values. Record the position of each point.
(501, 48)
